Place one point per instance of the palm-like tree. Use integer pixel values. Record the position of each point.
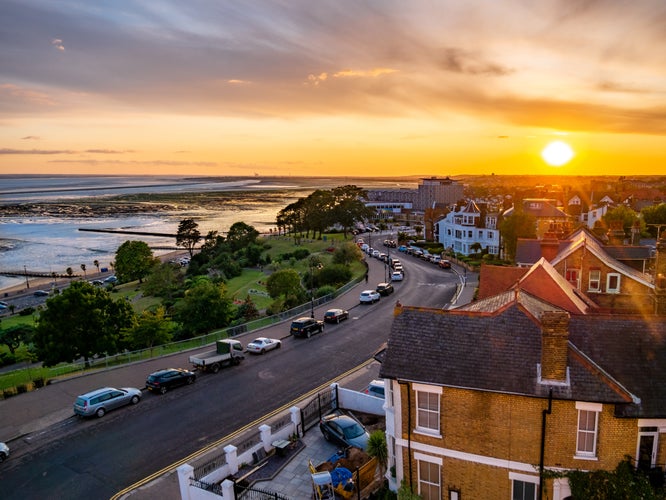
(69, 271)
(96, 264)
(83, 268)
(377, 449)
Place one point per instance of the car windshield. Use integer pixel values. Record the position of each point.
(353, 431)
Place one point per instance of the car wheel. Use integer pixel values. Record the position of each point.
(309, 334)
(279, 344)
(337, 320)
(190, 380)
(327, 435)
(215, 368)
(134, 400)
(100, 412)
(2, 457)
(263, 351)
(163, 390)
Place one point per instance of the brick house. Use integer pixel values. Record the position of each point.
(483, 398)
(597, 271)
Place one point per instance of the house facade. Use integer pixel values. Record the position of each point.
(463, 230)
(484, 400)
(548, 217)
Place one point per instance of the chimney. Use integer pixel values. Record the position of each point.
(636, 233)
(554, 346)
(616, 233)
(549, 245)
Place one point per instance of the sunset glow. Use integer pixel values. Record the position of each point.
(342, 88)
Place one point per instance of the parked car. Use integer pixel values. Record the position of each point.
(306, 326)
(335, 315)
(262, 344)
(110, 279)
(41, 293)
(402, 248)
(4, 452)
(369, 297)
(344, 430)
(100, 401)
(385, 289)
(376, 388)
(97, 282)
(163, 380)
(445, 264)
(396, 276)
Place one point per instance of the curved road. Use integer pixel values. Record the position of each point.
(97, 458)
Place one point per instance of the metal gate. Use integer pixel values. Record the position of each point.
(249, 493)
(322, 404)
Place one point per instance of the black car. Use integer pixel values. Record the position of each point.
(344, 430)
(41, 293)
(335, 315)
(305, 327)
(385, 289)
(163, 380)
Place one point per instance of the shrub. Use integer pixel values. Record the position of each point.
(21, 389)
(27, 311)
(324, 290)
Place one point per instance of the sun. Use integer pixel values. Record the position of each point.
(557, 153)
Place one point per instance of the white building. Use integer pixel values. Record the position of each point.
(463, 228)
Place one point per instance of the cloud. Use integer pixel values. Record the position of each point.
(57, 43)
(458, 60)
(30, 138)
(166, 163)
(108, 151)
(9, 151)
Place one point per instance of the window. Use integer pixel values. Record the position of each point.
(594, 283)
(427, 409)
(429, 476)
(612, 283)
(572, 276)
(523, 490)
(523, 486)
(588, 421)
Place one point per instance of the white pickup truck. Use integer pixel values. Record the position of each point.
(226, 352)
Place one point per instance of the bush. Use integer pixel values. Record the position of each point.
(324, 290)
(39, 382)
(21, 389)
(27, 311)
(7, 358)
(8, 393)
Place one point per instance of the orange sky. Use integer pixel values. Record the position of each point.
(332, 88)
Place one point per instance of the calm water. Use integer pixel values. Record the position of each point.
(51, 244)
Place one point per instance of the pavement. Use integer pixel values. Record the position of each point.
(25, 415)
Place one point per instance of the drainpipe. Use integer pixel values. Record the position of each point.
(409, 433)
(543, 440)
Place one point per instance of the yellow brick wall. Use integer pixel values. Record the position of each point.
(508, 427)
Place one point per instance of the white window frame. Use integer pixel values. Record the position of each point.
(437, 461)
(524, 478)
(594, 284)
(609, 277)
(586, 409)
(577, 280)
(431, 391)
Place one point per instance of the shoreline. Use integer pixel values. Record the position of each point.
(45, 283)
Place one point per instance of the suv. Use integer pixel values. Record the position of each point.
(99, 401)
(305, 327)
(376, 389)
(385, 289)
(163, 380)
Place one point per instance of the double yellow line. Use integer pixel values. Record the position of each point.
(236, 433)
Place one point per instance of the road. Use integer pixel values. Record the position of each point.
(96, 458)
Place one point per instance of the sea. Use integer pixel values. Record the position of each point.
(43, 242)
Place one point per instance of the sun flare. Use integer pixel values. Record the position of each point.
(557, 153)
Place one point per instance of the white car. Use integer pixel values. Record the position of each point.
(369, 297)
(396, 276)
(262, 344)
(4, 452)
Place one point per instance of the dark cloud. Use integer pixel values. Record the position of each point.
(8, 151)
(461, 61)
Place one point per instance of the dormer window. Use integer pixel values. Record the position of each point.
(612, 283)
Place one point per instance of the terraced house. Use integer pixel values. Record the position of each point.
(485, 400)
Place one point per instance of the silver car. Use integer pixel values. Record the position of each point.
(99, 401)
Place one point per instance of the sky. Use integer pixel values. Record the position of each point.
(373, 88)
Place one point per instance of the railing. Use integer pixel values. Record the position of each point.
(253, 493)
(211, 464)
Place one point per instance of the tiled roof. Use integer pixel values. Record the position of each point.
(582, 239)
(625, 252)
(482, 348)
(541, 280)
(528, 251)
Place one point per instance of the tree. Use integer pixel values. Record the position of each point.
(164, 281)
(83, 268)
(517, 225)
(204, 308)
(69, 271)
(16, 335)
(625, 216)
(347, 253)
(188, 235)
(241, 235)
(247, 311)
(283, 283)
(655, 216)
(134, 260)
(151, 329)
(82, 322)
(377, 449)
(96, 264)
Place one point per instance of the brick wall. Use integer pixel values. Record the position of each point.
(507, 427)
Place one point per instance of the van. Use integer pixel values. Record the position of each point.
(376, 389)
